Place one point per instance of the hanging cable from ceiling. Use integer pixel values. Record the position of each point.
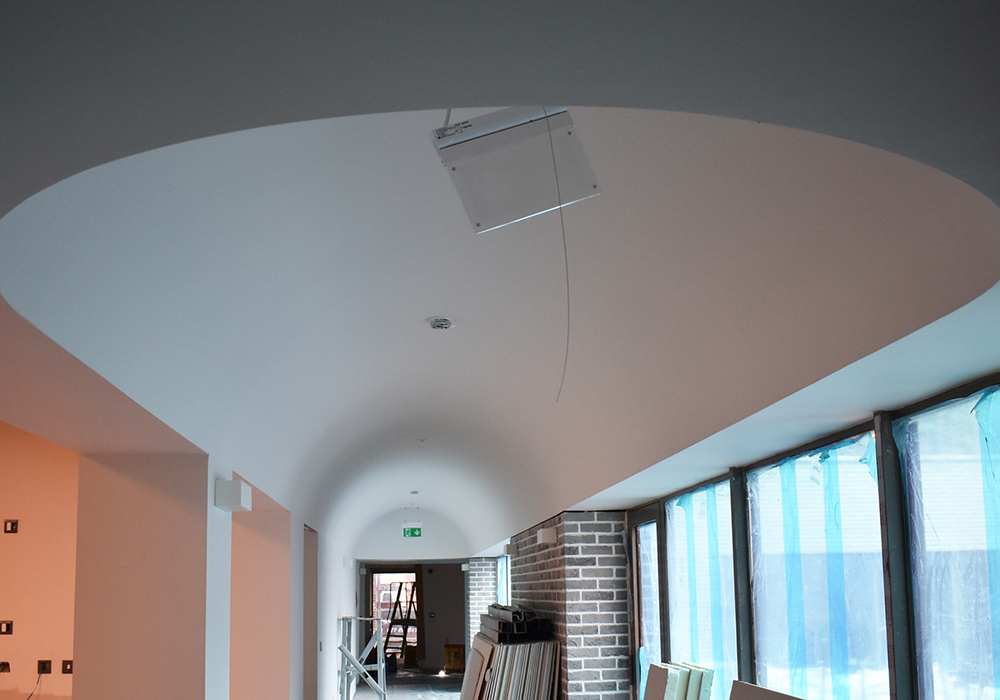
(562, 226)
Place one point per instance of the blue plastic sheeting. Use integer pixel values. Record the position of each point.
(715, 583)
(643, 670)
(700, 582)
(869, 459)
(686, 503)
(794, 600)
(819, 615)
(987, 411)
(649, 600)
(836, 580)
(948, 457)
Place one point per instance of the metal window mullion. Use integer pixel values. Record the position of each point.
(899, 620)
(745, 642)
(661, 549)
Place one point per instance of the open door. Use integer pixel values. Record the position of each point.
(394, 601)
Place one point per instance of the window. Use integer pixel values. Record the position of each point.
(503, 580)
(795, 599)
(818, 595)
(700, 582)
(648, 574)
(951, 458)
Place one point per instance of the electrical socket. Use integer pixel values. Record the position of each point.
(4, 666)
(6, 627)
(45, 666)
(67, 666)
(10, 527)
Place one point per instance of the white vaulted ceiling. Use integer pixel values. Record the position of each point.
(239, 221)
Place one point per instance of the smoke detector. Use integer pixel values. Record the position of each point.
(440, 323)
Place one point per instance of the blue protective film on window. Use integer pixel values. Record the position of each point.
(649, 600)
(794, 601)
(836, 580)
(685, 503)
(715, 580)
(700, 582)
(987, 411)
(950, 459)
(816, 557)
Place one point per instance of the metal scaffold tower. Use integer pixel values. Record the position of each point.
(353, 666)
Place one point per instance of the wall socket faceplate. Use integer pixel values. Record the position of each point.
(10, 527)
(44, 666)
(4, 666)
(6, 627)
(67, 666)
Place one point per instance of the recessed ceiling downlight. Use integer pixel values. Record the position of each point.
(441, 323)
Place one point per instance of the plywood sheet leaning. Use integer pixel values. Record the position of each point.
(746, 691)
(477, 669)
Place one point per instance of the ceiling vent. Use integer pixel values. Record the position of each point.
(514, 164)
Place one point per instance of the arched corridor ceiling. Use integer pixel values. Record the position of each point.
(264, 291)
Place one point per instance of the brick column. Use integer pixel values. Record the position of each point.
(481, 582)
(580, 583)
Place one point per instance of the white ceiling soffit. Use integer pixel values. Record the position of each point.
(265, 294)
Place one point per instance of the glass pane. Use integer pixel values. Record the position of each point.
(818, 594)
(649, 601)
(700, 583)
(950, 458)
(503, 580)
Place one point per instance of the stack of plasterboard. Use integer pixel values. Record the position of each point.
(678, 681)
(523, 671)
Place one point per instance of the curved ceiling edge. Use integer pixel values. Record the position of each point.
(266, 289)
(85, 86)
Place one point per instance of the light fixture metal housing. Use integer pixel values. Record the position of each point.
(514, 164)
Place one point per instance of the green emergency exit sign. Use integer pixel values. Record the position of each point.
(411, 532)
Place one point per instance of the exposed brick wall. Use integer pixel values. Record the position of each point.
(580, 583)
(481, 582)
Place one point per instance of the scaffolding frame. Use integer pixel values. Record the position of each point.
(353, 666)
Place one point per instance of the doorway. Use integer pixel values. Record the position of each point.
(394, 600)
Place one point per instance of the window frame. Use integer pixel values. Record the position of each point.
(901, 632)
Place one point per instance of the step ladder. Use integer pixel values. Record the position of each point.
(396, 639)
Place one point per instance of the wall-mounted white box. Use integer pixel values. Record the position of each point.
(547, 535)
(233, 496)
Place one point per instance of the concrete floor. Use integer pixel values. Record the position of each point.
(410, 685)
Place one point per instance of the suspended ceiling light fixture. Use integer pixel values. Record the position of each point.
(514, 164)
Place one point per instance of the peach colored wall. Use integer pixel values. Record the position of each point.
(310, 614)
(38, 484)
(141, 572)
(260, 602)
